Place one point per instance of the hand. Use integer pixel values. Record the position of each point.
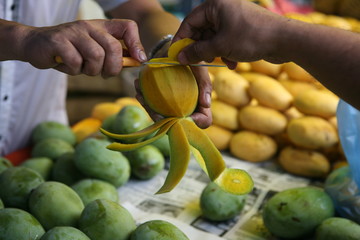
(90, 47)
(236, 30)
(202, 115)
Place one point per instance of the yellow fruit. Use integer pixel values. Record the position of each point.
(105, 109)
(86, 128)
(172, 91)
(160, 88)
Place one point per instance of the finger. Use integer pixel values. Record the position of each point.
(202, 117)
(71, 59)
(198, 51)
(128, 31)
(192, 23)
(112, 63)
(230, 64)
(205, 88)
(92, 53)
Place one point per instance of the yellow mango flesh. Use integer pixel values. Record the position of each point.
(170, 91)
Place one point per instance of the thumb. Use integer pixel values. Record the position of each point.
(197, 52)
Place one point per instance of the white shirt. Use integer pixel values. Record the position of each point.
(28, 95)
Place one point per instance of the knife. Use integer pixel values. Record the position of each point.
(131, 62)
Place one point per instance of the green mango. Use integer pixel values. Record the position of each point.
(42, 165)
(52, 129)
(146, 162)
(65, 170)
(64, 233)
(106, 220)
(108, 123)
(17, 224)
(55, 204)
(16, 183)
(94, 160)
(51, 148)
(92, 189)
(131, 119)
(163, 145)
(1, 204)
(158, 230)
(295, 213)
(336, 228)
(218, 205)
(4, 164)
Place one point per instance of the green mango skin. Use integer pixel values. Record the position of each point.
(146, 162)
(108, 123)
(51, 129)
(295, 213)
(336, 228)
(55, 204)
(42, 165)
(163, 145)
(130, 119)
(94, 160)
(218, 205)
(51, 148)
(92, 189)
(64, 233)
(16, 224)
(158, 230)
(16, 183)
(1, 204)
(4, 164)
(65, 170)
(106, 220)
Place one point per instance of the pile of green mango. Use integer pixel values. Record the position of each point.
(68, 190)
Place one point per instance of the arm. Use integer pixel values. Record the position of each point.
(90, 47)
(331, 55)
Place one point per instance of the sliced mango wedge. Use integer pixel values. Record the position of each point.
(235, 181)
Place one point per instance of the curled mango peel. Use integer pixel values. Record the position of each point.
(173, 93)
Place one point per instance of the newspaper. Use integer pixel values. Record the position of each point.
(181, 205)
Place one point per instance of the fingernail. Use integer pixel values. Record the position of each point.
(142, 56)
(208, 99)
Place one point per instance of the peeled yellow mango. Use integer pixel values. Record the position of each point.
(172, 91)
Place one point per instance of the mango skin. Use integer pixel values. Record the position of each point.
(146, 162)
(158, 230)
(295, 213)
(52, 129)
(16, 224)
(336, 228)
(92, 189)
(130, 119)
(55, 204)
(94, 160)
(106, 220)
(42, 165)
(65, 170)
(4, 164)
(64, 233)
(16, 183)
(1, 204)
(218, 205)
(51, 148)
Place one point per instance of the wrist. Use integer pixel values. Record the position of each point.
(12, 35)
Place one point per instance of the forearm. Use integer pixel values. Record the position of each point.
(154, 23)
(331, 55)
(11, 35)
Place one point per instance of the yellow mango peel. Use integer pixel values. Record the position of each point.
(172, 91)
